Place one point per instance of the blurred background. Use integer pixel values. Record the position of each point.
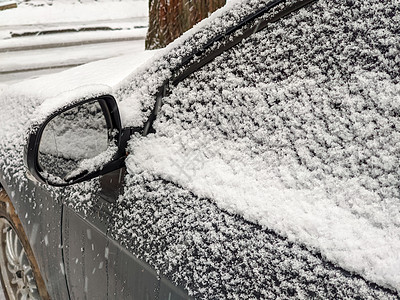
(45, 36)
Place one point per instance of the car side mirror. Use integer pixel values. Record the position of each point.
(77, 143)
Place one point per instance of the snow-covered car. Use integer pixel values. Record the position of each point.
(256, 157)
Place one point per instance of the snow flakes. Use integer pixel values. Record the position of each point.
(270, 167)
(302, 119)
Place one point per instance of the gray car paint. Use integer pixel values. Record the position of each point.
(84, 248)
(82, 254)
(40, 215)
(97, 267)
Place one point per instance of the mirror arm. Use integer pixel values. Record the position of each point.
(112, 166)
(125, 137)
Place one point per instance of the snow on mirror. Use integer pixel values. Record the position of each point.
(75, 143)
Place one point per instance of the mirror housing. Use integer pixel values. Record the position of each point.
(116, 141)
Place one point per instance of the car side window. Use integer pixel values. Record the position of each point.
(306, 90)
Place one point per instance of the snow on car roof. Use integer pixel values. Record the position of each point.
(296, 129)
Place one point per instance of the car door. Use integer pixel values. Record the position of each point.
(87, 254)
(89, 251)
(97, 267)
(160, 158)
(85, 251)
(40, 214)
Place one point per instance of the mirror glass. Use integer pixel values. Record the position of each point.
(74, 143)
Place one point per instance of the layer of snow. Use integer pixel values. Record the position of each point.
(105, 72)
(297, 129)
(287, 121)
(59, 34)
(3, 86)
(57, 90)
(66, 56)
(7, 79)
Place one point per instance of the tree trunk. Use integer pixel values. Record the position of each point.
(168, 19)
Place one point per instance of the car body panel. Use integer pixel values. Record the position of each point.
(85, 245)
(272, 131)
(130, 278)
(40, 215)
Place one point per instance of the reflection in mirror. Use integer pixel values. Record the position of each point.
(71, 140)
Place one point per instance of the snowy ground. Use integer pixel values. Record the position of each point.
(41, 37)
(29, 60)
(61, 11)
(44, 36)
